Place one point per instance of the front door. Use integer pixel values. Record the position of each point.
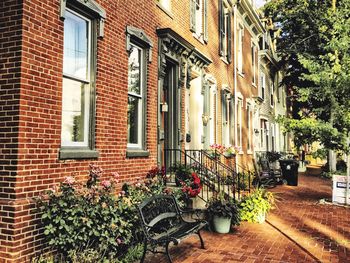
(170, 116)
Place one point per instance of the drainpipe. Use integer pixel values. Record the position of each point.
(235, 74)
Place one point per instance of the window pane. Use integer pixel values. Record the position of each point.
(75, 59)
(75, 113)
(134, 73)
(133, 120)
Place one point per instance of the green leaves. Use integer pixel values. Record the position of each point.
(255, 205)
(315, 51)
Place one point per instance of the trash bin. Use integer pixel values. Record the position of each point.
(290, 171)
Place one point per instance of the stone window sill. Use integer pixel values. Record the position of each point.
(131, 153)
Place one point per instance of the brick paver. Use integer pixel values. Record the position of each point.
(300, 229)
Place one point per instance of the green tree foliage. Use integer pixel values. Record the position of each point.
(314, 49)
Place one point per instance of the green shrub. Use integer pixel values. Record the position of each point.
(256, 205)
(79, 217)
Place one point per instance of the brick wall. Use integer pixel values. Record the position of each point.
(31, 48)
(10, 60)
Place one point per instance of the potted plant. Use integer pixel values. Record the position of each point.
(215, 151)
(223, 212)
(230, 151)
(182, 173)
(254, 207)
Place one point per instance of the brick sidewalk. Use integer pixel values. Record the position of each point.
(300, 229)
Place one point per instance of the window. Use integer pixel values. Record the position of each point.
(77, 127)
(135, 97)
(253, 51)
(225, 31)
(249, 128)
(272, 137)
(76, 80)
(239, 122)
(262, 85)
(264, 135)
(240, 36)
(225, 104)
(199, 19)
(81, 29)
(271, 93)
(278, 91)
(138, 45)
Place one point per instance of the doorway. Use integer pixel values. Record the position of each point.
(170, 116)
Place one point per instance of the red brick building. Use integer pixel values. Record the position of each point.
(111, 83)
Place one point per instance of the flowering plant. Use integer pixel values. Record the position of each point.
(231, 150)
(192, 186)
(82, 216)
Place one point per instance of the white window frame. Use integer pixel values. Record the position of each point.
(262, 85)
(140, 124)
(272, 91)
(273, 137)
(240, 40)
(239, 122)
(199, 19)
(87, 83)
(226, 123)
(249, 127)
(253, 50)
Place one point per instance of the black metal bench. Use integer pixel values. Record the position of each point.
(163, 223)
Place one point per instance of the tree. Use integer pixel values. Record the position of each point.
(314, 47)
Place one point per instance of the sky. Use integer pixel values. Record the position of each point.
(259, 3)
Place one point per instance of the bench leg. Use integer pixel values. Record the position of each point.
(167, 252)
(144, 252)
(201, 239)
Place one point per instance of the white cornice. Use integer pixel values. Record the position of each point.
(251, 13)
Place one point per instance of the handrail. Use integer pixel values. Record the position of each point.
(215, 175)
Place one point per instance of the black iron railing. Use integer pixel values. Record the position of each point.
(216, 176)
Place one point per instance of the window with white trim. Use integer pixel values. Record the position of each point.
(138, 48)
(272, 102)
(273, 142)
(253, 58)
(239, 122)
(262, 85)
(226, 113)
(225, 38)
(135, 97)
(76, 80)
(240, 35)
(83, 23)
(199, 18)
(249, 126)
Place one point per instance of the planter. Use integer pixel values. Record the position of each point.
(228, 155)
(222, 225)
(260, 218)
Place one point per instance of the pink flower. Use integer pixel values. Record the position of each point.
(122, 193)
(119, 241)
(116, 176)
(106, 183)
(69, 180)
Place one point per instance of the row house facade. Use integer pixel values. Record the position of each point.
(115, 83)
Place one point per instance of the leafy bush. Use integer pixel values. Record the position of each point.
(256, 205)
(91, 216)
